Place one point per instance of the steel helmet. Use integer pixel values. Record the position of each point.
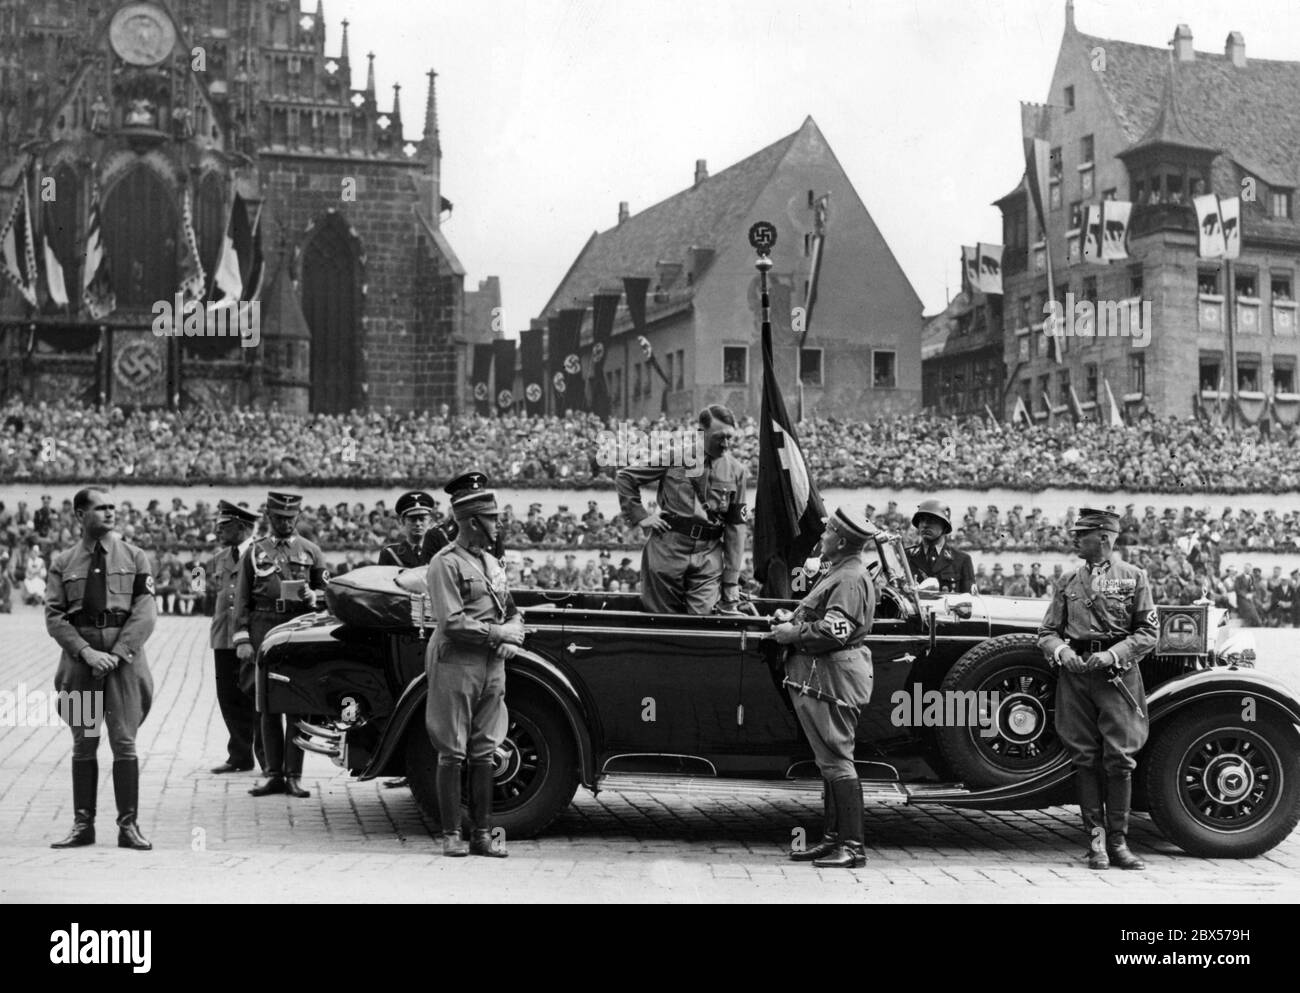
(935, 508)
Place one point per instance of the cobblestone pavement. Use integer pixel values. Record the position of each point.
(360, 841)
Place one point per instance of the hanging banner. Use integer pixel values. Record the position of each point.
(604, 308)
(565, 364)
(139, 369)
(990, 268)
(531, 347)
(970, 269)
(636, 288)
(1115, 216)
(503, 351)
(479, 380)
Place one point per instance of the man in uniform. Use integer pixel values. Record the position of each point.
(1038, 584)
(1099, 625)
(696, 542)
(415, 511)
(828, 674)
(282, 556)
(100, 608)
(437, 538)
(234, 531)
(933, 556)
(478, 629)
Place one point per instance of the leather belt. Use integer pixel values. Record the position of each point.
(838, 655)
(281, 606)
(697, 530)
(1083, 647)
(103, 619)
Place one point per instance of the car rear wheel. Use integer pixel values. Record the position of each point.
(535, 769)
(1221, 787)
(1007, 738)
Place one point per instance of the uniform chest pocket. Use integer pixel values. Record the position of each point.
(471, 589)
(74, 586)
(121, 581)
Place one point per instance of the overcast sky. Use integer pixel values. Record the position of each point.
(552, 111)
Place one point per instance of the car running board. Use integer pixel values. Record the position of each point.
(874, 791)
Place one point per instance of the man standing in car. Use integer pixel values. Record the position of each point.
(828, 674)
(696, 542)
(415, 511)
(1100, 624)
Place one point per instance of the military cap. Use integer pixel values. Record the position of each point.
(849, 525)
(997, 566)
(416, 501)
(474, 503)
(592, 503)
(227, 511)
(288, 504)
(1090, 519)
(467, 482)
(935, 508)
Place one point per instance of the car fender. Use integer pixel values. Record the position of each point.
(526, 666)
(1230, 687)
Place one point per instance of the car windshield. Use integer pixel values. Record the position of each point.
(893, 562)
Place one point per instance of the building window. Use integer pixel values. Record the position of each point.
(1137, 373)
(1280, 286)
(735, 365)
(1283, 375)
(1174, 187)
(1076, 215)
(1211, 372)
(1279, 203)
(1086, 145)
(1044, 385)
(681, 368)
(1246, 284)
(1248, 375)
(1090, 383)
(884, 369)
(1063, 386)
(810, 366)
(1207, 282)
(1135, 281)
(1110, 194)
(636, 382)
(1069, 98)
(669, 370)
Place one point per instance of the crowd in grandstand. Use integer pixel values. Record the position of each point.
(51, 444)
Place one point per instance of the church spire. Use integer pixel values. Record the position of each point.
(344, 55)
(431, 115)
(370, 74)
(397, 101)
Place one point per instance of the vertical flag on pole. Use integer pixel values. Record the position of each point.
(17, 248)
(479, 379)
(1034, 125)
(96, 285)
(503, 352)
(604, 308)
(534, 370)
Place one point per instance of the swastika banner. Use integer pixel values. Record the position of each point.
(139, 368)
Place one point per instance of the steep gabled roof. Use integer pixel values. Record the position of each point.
(1170, 128)
(702, 215)
(1251, 112)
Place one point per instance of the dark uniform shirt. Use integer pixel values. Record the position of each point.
(224, 578)
(952, 568)
(405, 554)
(1112, 600)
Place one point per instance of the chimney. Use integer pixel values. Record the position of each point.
(1235, 49)
(701, 171)
(1183, 44)
(623, 213)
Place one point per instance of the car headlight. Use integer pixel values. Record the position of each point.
(1237, 648)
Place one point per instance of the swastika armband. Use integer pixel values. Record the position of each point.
(737, 513)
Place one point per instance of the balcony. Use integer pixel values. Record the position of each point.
(1151, 218)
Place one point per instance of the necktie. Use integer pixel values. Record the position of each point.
(95, 598)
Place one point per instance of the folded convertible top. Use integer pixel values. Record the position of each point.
(380, 596)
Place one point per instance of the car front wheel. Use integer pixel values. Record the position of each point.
(535, 769)
(1221, 787)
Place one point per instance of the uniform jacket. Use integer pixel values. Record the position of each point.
(129, 586)
(1122, 607)
(406, 555)
(470, 600)
(838, 611)
(441, 535)
(951, 567)
(224, 579)
(715, 496)
(264, 564)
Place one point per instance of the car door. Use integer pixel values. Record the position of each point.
(661, 685)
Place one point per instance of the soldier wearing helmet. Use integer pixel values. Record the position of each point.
(933, 557)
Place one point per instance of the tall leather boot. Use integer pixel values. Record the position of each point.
(1119, 799)
(126, 789)
(480, 811)
(830, 830)
(293, 756)
(85, 784)
(448, 785)
(1094, 818)
(849, 852)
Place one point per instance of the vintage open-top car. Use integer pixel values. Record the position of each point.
(608, 695)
